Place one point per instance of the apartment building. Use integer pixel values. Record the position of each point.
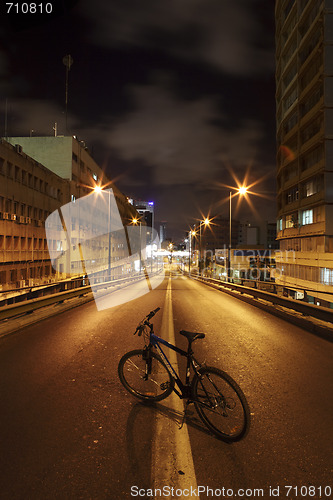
(304, 116)
(38, 175)
(29, 192)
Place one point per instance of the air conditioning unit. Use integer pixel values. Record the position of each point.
(12, 216)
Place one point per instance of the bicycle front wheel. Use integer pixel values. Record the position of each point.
(145, 378)
(221, 404)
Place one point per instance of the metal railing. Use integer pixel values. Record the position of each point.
(318, 312)
(29, 305)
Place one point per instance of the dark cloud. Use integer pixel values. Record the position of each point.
(166, 94)
(222, 33)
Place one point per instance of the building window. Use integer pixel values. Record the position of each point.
(309, 18)
(314, 40)
(307, 217)
(311, 158)
(309, 188)
(311, 72)
(310, 130)
(17, 174)
(288, 78)
(24, 177)
(290, 99)
(9, 170)
(326, 276)
(292, 195)
(311, 101)
(292, 220)
(291, 122)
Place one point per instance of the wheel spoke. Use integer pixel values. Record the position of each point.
(155, 385)
(221, 404)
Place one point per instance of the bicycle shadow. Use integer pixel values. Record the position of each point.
(191, 419)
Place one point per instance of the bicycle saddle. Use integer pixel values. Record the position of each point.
(191, 336)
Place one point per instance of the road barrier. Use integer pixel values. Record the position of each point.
(30, 305)
(263, 299)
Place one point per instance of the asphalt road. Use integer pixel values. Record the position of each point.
(69, 430)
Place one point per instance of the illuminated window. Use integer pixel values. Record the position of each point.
(326, 276)
(307, 217)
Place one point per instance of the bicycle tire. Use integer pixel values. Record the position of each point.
(131, 370)
(229, 418)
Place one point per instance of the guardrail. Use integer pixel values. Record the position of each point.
(29, 305)
(318, 312)
(35, 291)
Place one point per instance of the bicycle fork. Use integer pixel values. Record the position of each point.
(148, 359)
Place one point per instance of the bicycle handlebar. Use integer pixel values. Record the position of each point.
(145, 321)
(152, 313)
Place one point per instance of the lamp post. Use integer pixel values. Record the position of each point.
(241, 191)
(205, 223)
(137, 221)
(99, 190)
(190, 234)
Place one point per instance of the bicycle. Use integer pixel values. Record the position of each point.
(218, 400)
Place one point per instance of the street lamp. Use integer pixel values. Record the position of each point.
(205, 223)
(190, 234)
(98, 190)
(136, 221)
(242, 190)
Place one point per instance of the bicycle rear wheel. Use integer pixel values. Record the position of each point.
(147, 379)
(221, 404)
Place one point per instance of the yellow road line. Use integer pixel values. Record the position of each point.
(172, 464)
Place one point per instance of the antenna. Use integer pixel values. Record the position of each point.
(68, 61)
(6, 116)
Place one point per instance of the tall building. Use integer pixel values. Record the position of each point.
(304, 116)
(29, 192)
(163, 231)
(146, 211)
(38, 175)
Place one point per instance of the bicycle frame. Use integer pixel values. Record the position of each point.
(184, 389)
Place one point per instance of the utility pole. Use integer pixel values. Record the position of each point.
(68, 61)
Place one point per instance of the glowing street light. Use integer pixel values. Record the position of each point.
(242, 190)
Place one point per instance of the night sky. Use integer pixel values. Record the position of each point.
(174, 98)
